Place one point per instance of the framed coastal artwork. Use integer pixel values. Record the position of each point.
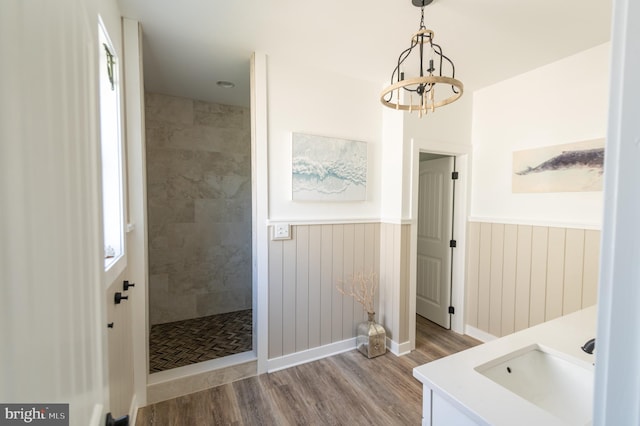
(328, 169)
(573, 167)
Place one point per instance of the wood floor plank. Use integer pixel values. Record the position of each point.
(256, 407)
(346, 389)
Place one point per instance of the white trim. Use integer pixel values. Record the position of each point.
(137, 237)
(260, 208)
(303, 357)
(117, 266)
(463, 166)
(536, 222)
(396, 221)
(97, 415)
(458, 289)
(301, 221)
(398, 349)
(617, 388)
(199, 368)
(478, 334)
(133, 410)
(441, 147)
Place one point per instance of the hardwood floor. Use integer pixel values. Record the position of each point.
(346, 389)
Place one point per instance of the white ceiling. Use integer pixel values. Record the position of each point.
(191, 44)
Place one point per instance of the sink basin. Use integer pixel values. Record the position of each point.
(562, 387)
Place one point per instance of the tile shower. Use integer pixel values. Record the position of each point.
(199, 218)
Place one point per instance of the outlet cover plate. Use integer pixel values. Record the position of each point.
(281, 231)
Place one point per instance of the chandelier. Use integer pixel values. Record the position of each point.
(414, 79)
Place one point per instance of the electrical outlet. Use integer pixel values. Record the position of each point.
(281, 231)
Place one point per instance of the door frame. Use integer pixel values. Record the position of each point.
(462, 155)
(138, 250)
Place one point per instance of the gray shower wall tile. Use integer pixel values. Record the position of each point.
(235, 278)
(209, 139)
(228, 301)
(220, 116)
(167, 306)
(174, 309)
(237, 235)
(163, 164)
(158, 284)
(197, 138)
(170, 109)
(165, 211)
(156, 191)
(199, 207)
(170, 162)
(188, 240)
(157, 133)
(222, 211)
(188, 187)
(230, 186)
(246, 120)
(226, 164)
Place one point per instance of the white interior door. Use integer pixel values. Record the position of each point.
(52, 322)
(435, 214)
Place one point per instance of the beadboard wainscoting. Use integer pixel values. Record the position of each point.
(306, 310)
(522, 275)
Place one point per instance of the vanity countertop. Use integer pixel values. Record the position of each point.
(455, 379)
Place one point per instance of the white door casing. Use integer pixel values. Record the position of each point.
(435, 214)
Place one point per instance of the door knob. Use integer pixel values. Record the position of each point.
(118, 297)
(126, 285)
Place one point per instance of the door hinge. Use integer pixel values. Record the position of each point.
(453, 243)
(452, 310)
(454, 175)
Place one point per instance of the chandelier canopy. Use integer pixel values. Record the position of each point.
(415, 77)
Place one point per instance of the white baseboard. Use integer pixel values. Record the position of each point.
(97, 415)
(309, 355)
(287, 361)
(398, 349)
(133, 410)
(483, 336)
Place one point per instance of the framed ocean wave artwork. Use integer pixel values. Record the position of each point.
(572, 167)
(328, 169)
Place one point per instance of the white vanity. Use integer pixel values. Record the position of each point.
(538, 376)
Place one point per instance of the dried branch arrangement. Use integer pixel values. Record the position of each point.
(362, 288)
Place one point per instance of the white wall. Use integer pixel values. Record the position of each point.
(445, 131)
(450, 124)
(391, 165)
(312, 101)
(562, 102)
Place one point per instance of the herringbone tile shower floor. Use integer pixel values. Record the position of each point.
(181, 343)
